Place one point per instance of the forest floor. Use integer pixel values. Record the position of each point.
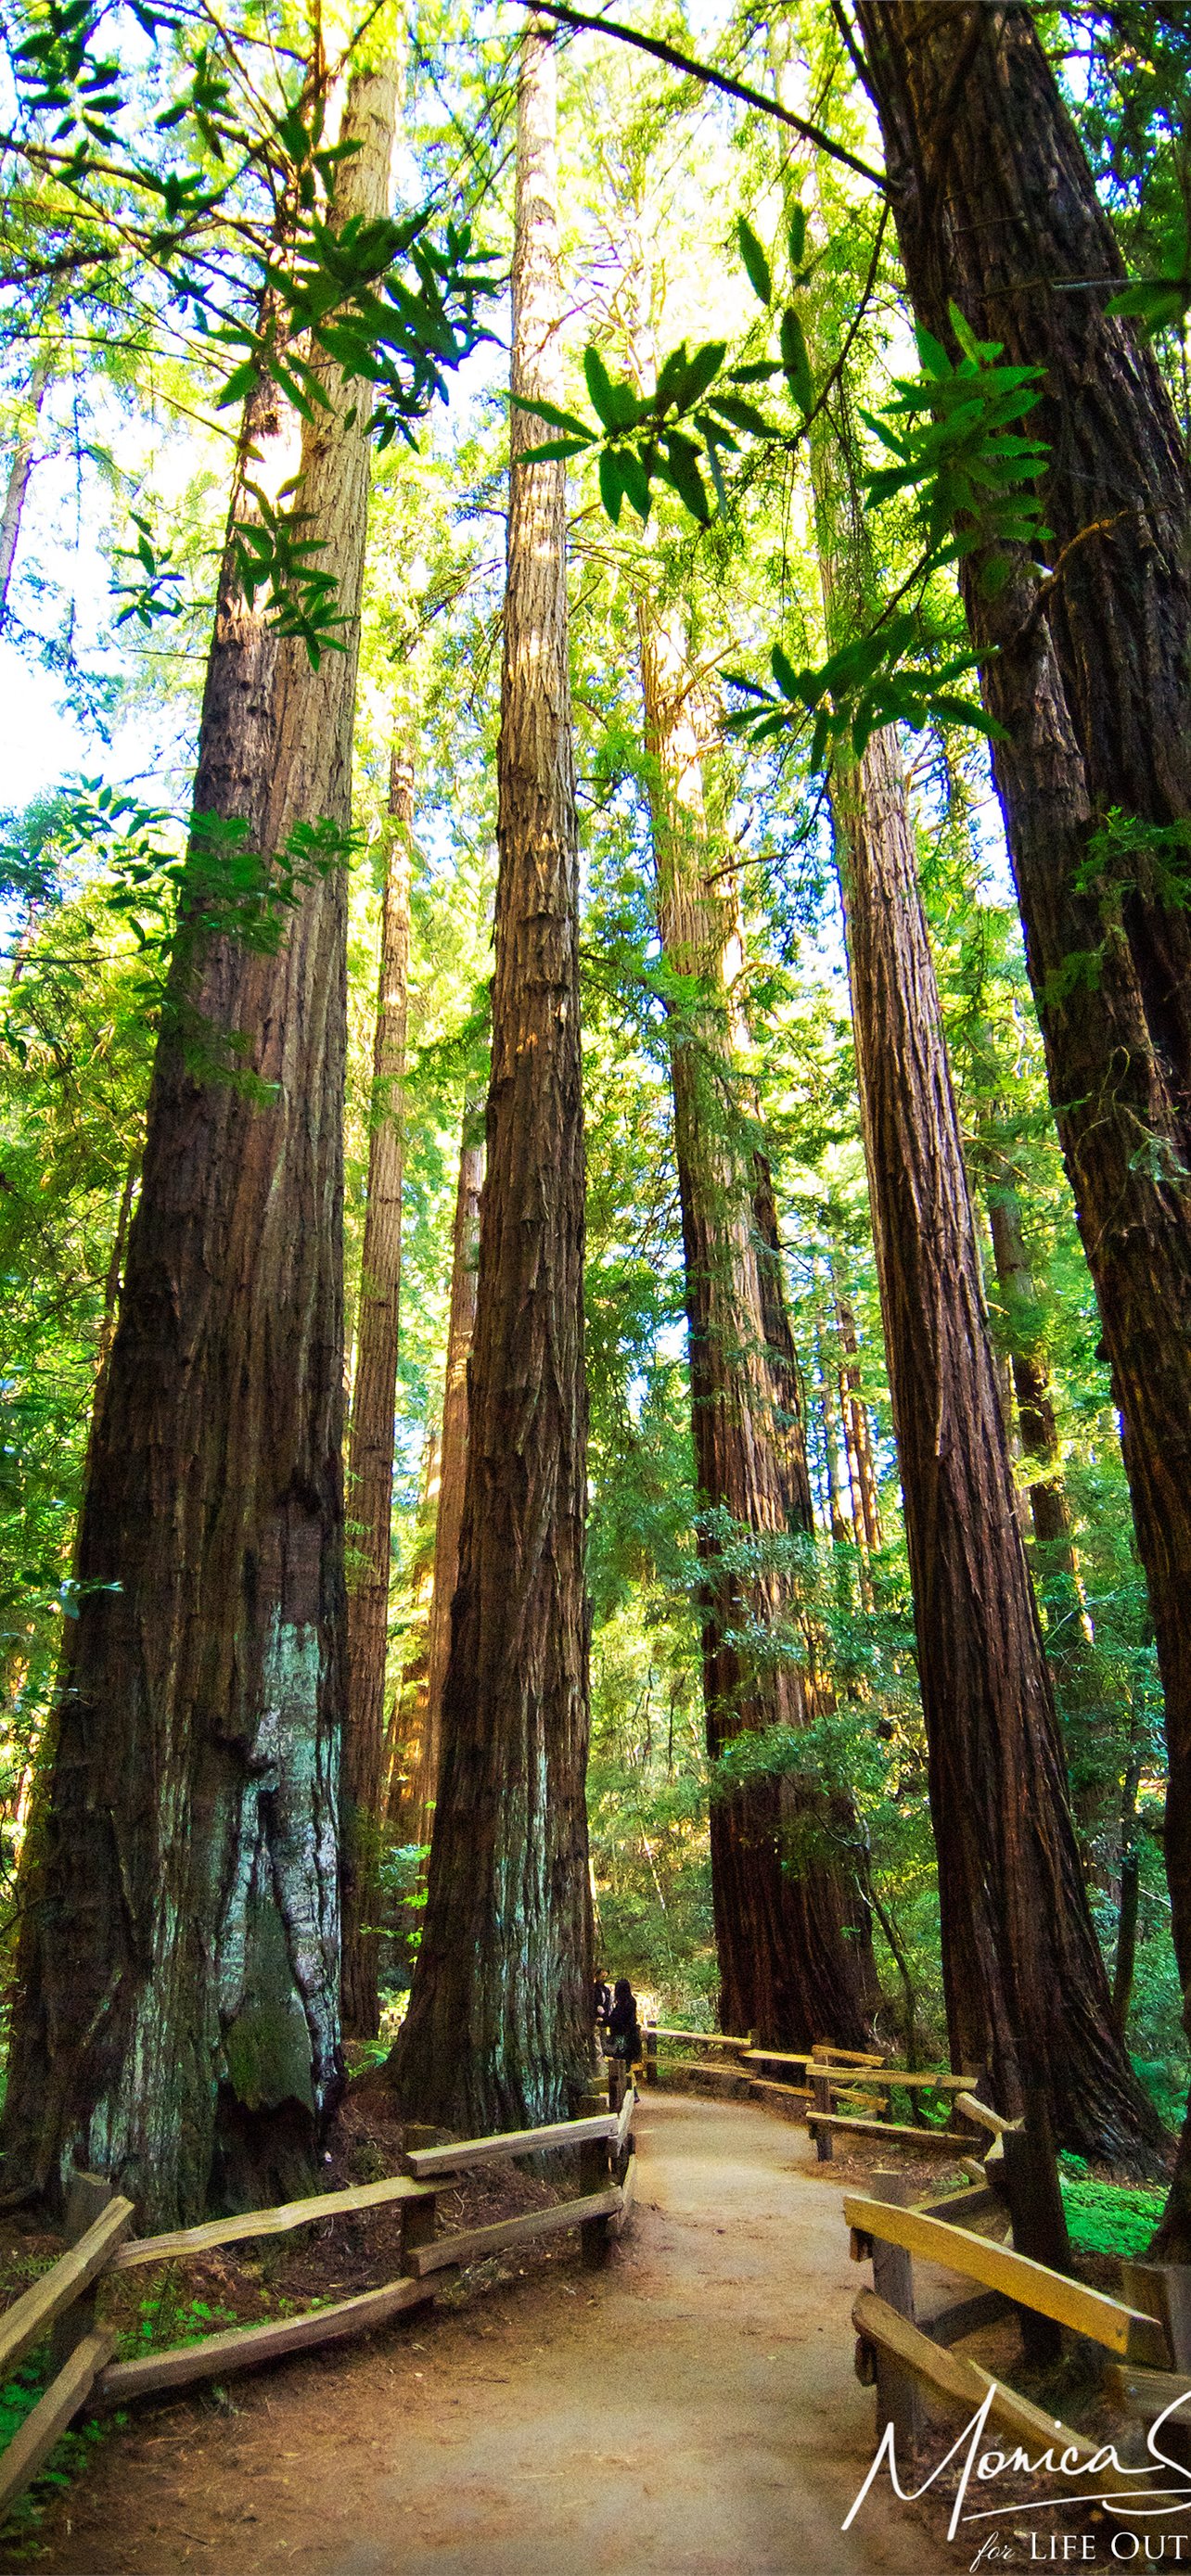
(691, 2410)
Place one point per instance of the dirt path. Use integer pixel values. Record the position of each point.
(689, 2411)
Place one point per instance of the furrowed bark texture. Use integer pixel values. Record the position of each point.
(996, 208)
(370, 1449)
(177, 2025)
(498, 2029)
(423, 1749)
(792, 1931)
(1025, 1986)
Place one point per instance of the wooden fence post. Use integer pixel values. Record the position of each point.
(898, 2401)
(594, 2175)
(1163, 2290)
(1035, 2200)
(418, 2219)
(821, 2093)
(651, 2052)
(87, 2196)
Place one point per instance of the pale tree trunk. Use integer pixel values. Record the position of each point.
(1025, 1986)
(997, 210)
(791, 1930)
(370, 1448)
(18, 483)
(498, 2030)
(177, 2019)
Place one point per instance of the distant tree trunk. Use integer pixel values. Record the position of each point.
(996, 208)
(792, 1930)
(1024, 1981)
(422, 1786)
(18, 483)
(370, 1449)
(177, 2018)
(1071, 1646)
(862, 1475)
(498, 2030)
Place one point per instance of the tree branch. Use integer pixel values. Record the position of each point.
(712, 80)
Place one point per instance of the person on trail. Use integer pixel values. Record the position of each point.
(624, 2029)
(601, 2001)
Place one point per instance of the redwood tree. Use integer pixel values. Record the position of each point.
(997, 210)
(498, 2028)
(792, 1931)
(370, 1448)
(421, 1744)
(177, 2017)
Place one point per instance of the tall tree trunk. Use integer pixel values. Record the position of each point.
(792, 1930)
(422, 1787)
(18, 483)
(177, 2024)
(1025, 1985)
(370, 1449)
(996, 208)
(498, 2030)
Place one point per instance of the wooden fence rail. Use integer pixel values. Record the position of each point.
(1149, 2330)
(62, 2301)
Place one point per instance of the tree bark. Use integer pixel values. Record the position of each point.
(18, 483)
(792, 1929)
(1025, 1986)
(423, 1749)
(177, 2022)
(370, 1450)
(498, 2031)
(996, 208)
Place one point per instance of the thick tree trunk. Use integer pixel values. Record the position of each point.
(792, 1929)
(177, 2025)
(996, 208)
(1025, 1985)
(498, 2030)
(424, 1752)
(370, 1449)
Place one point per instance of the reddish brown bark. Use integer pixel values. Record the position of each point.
(996, 208)
(498, 2029)
(792, 1929)
(370, 1451)
(422, 1750)
(177, 2023)
(1025, 1985)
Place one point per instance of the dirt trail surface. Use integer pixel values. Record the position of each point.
(691, 2410)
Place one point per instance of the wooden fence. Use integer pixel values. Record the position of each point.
(993, 2236)
(841, 2089)
(63, 2301)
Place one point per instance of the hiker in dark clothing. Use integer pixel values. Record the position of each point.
(601, 2002)
(624, 2029)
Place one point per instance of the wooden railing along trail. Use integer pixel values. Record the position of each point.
(63, 2300)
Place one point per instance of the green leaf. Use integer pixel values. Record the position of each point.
(611, 483)
(755, 262)
(681, 471)
(797, 236)
(796, 361)
(635, 481)
(784, 673)
(616, 404)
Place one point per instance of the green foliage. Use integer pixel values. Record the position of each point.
(1108, 2217)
